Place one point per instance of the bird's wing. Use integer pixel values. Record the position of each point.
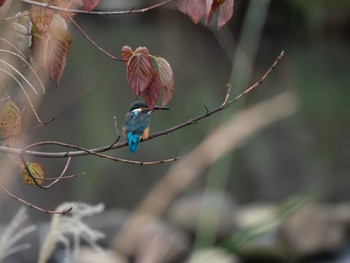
(136, 124)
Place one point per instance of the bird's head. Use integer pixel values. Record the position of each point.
(142, 106)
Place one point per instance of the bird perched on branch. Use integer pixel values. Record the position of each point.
(137, 123)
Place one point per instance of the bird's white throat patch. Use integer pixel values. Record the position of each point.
(136, 112)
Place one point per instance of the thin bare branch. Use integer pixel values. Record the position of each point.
(97, 151)
(87, 151)
(29, 130)
(79, 11)
(93, 42)
(59, 178)
(278, 59)
(31, 205)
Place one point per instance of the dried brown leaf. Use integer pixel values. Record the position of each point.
(10, 123)
(58, 44)
(49, 49)
(139, 70)
(36, 170)
(41, 17)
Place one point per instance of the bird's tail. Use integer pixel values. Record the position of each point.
(133, 141)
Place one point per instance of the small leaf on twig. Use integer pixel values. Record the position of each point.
(152, 91)
(139, 70)
(166, 79)
(126, 54)
(10, 122)
(36, 170)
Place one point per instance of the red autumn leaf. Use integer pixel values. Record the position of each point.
(152, 91)
(211, 6)
(225, 12)
(88, 5)
(58, 44)
(126, 54)
(195, 9)
(49, 49)
(139, 70)
(41, 17)
(166, 77)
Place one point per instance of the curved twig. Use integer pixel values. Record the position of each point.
(78, 11)
(93, 42)
(29, 130)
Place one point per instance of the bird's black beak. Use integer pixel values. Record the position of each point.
(160, 108)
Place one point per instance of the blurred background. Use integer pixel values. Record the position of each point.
(304, 155)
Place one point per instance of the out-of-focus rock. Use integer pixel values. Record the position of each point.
(212, 255)
(217, 208)
(253, 214)
(151, 241)
(312, 230)
(89, 255)
(257, 236)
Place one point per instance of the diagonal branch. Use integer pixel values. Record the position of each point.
(97, 151)
(79, 11)
(31, 205)
(93, 42)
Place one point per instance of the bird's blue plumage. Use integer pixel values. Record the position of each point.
(135, 123)
(133, 141)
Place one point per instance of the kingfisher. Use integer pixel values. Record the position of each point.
(137, 123)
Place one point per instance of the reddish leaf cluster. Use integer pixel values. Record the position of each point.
(146, 81)
(199, 9)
